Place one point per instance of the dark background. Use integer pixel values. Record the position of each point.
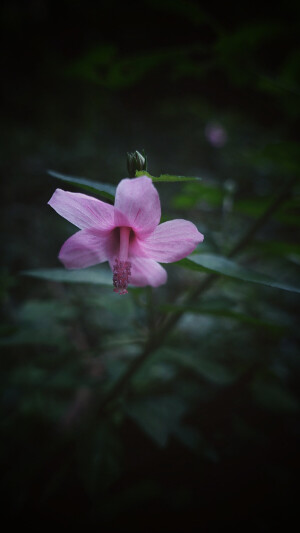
(82, 84)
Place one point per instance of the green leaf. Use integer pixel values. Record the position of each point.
(105, 66)
(190, 437)
(166, 177)
(221, 265)
(199, 193)
(284, 156)
(255, 207)
(280, 248)
(208, 369)
(153, 374)
(99, 453)
(88, 275)
(274, 396)
(157, 416)
(295, 258)
(223, 313)
(100, 189)
(40, 322)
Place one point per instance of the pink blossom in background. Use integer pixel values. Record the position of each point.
(127, 235)
(216, 134)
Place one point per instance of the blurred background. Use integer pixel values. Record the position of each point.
(207, 434)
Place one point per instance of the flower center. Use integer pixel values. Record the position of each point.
(122, 267)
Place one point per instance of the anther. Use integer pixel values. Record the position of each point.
(121, 276)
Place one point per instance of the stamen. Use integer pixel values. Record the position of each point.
(121, 276)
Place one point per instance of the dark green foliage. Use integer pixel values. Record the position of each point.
(93, 187)
(227, 267)
(205, 429)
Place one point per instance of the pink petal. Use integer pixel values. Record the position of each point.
(88, 247)
(82, 210)
(171, 241)
(146, 272)
(137, 205)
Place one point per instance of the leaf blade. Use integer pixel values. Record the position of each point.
(95, 187)
(222, 265)
(220, 312)
(88, 275)
(167, 177)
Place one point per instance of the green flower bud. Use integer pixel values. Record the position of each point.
(136, 162)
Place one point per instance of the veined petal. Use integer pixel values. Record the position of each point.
(137, 205)
(83, 211)
(87, 247)
(171, 241)
(146, 272)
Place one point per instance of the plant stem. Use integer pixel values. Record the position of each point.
(172, 318)
(150, 310)
(274, 205)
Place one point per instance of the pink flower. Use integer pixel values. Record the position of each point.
(128, 234)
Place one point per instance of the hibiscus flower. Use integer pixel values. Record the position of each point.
(127, 235)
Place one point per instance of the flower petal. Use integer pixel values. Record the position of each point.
(146, 272)
(171, 241)
(137, 205)
(82, 210)
(87, 247)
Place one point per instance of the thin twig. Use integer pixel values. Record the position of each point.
(274, 205)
